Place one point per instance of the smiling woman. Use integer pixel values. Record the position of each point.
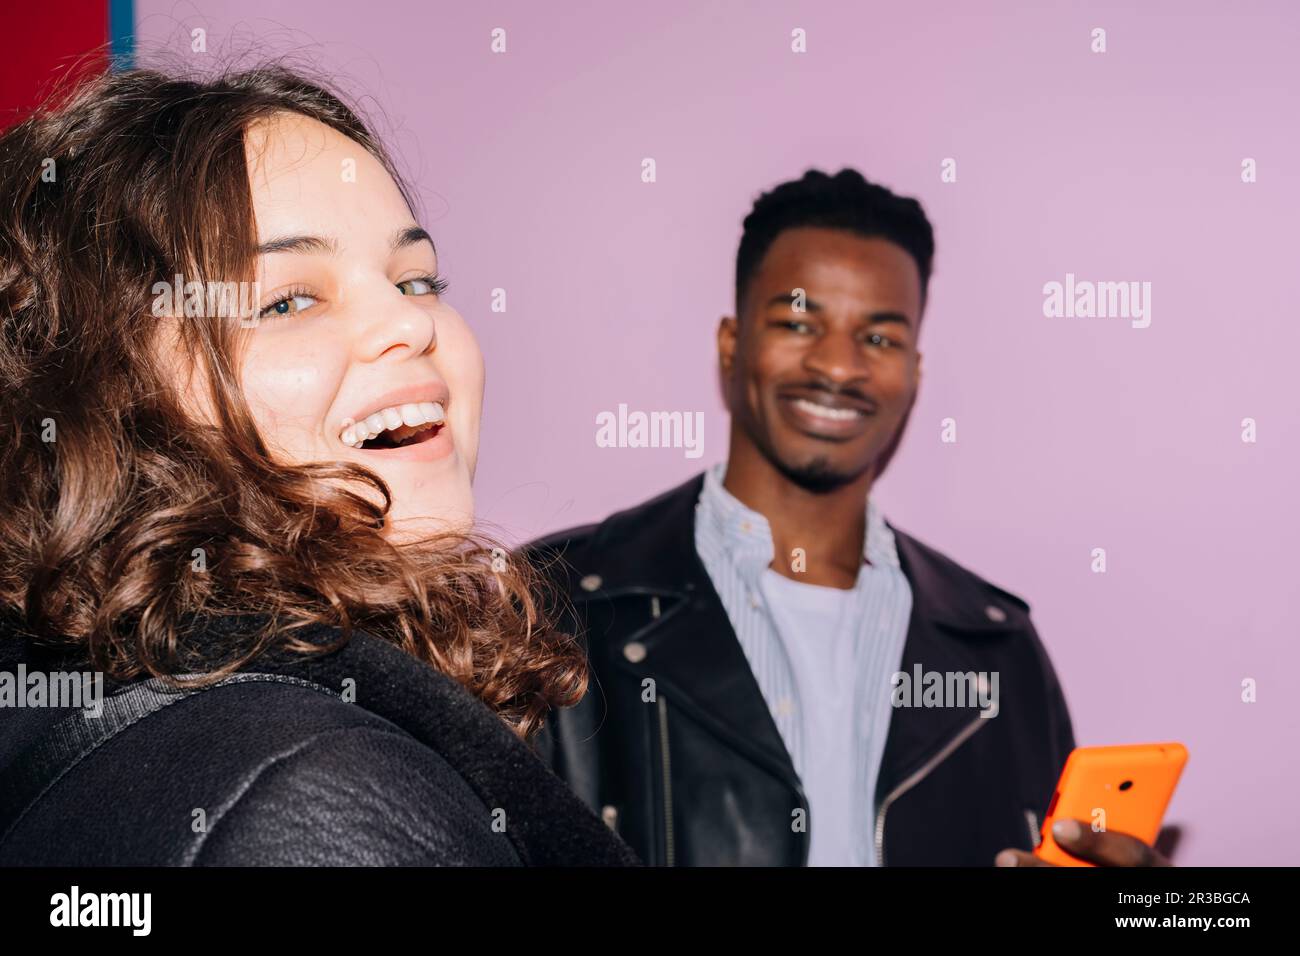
(272, 508)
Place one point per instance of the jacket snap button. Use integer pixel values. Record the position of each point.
(590, 582)
(995, 613)
(634, 652)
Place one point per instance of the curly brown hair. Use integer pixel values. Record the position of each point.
(110, 494)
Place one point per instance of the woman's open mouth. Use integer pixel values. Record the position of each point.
(398, 426)
(401, 437)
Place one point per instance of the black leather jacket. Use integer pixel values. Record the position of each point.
(675, 747)
(365, 756)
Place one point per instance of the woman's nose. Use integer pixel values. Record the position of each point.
(393, 324)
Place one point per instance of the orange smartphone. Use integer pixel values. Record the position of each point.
(1124, 789)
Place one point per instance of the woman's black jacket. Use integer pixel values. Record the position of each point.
(363, 756)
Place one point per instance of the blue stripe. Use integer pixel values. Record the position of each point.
(121, 33)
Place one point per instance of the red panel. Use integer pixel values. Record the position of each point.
(44, 41)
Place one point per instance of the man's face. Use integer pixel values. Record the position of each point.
(821, 392)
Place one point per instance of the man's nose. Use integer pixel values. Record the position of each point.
(837, 357)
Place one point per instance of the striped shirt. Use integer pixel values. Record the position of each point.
(735, 546)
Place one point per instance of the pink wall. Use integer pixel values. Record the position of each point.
(1072, 433)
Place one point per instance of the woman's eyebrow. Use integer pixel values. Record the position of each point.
(330, 246)
(410, 236)
(299, 244)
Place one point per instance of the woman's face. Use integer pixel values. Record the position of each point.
(355, 356)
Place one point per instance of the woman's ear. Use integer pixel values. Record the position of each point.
(182, 369)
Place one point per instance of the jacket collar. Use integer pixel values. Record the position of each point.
(665, 528)
(650, 551)
(747, 534)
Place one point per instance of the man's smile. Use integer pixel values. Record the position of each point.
(831, 416)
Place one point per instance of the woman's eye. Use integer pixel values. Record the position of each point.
(423, 285)
(289, 305)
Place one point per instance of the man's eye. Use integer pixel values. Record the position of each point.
(289, 305)
(875, 338)
(796, 325)
(423, 285)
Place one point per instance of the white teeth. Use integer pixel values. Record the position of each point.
(821, 411)
(410, 415)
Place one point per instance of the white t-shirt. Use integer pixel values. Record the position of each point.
(819, 632)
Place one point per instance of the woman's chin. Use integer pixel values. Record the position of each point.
(405, 527)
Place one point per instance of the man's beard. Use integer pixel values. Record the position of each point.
(816, 476)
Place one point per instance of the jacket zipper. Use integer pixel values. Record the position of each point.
(917, 777)
(1035, 834)
(668, 782)
(807, 841)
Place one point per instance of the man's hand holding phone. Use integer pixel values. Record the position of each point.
(1100, 848)
(1125, 789)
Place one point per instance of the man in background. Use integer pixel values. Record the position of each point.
(765, 645)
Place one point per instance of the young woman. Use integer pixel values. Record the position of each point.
(240, 425)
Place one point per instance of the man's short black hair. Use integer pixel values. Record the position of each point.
(844, 201)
